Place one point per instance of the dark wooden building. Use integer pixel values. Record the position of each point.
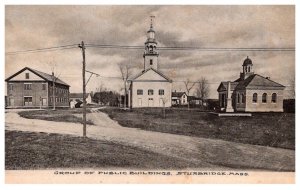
(32, 88)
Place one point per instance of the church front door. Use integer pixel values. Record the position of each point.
(150, 102)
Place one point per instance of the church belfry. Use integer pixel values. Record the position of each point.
(150, 54)
(247, 69)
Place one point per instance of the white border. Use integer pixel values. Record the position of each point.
(143, 2)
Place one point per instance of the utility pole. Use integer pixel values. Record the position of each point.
(83, 87)
(53, 90)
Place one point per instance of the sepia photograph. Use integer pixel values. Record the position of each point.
(149, 94)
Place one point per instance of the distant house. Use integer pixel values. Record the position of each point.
(32, 88)
(251, 93)
(79, 97)
(179, 98)
(195, 100)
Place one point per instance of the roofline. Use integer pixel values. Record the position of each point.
(179, 92)
(32, 70)
(140, 74)
(271, 80)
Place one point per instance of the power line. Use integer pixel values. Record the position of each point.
(175, 48)
(191, 48)
(55, 48)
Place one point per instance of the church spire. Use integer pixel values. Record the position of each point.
(150, 54)
(151, 32)
(151, 21)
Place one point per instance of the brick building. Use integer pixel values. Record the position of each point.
(251, 93)
(32, 88)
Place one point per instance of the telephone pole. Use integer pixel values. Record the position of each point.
(83, 87)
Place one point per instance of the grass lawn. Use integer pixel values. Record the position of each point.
(267, 129)
(28, 150)
(59, 115)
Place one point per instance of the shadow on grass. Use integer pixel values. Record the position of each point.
(266, 129)
(60, 115)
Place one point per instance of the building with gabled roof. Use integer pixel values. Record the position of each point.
(251, 93)
(179, 98)
(150, 87)
(31, 88)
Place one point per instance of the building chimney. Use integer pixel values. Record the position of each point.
(267, 77)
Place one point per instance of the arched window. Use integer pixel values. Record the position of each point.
(151, 48)
(254, 98)
(238, 98)
(264, 98)
(274, 98)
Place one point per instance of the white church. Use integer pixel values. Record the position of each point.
(150, 88)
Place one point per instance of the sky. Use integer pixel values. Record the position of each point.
(33, 27)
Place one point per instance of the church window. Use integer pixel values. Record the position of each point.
(254, 98)
(151, 62)
(264, 98)
(274, 98)
(161, 92)
(27, 75)
(139, 92)
(150, 92)
(238, 98)
(151, 48)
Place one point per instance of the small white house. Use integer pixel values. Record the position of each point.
(179, 98)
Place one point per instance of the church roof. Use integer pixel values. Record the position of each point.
(145, 71)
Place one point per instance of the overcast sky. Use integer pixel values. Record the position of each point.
(32, 27)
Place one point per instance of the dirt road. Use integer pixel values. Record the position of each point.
(207, 153)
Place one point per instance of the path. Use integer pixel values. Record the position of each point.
(207, 153)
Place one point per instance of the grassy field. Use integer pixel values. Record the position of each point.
(267, 129)
(27, 150)
(59, 115)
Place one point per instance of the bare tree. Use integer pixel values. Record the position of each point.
(53, 67)
(188, 87)
(292, 87)
(125, 74)
(164, 101)
(202, 89)
(100, 89)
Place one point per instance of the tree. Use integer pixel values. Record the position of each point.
(125, 74)
(99, 89)
(292, 88)
(202, 90)
(188, 87)
(53, 67)
(164, 101)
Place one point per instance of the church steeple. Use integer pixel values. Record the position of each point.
(150, 54)
(247, 69)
